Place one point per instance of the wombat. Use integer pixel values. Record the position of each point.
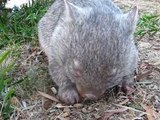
(90, 47)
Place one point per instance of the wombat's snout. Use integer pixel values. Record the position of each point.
(88, 93)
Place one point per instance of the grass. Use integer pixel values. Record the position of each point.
(16, 28)
(20, 27)
(6, 91)
(148, 24)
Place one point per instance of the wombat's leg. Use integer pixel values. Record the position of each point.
(127, 84)
(67, 91)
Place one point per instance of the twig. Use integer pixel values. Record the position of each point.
(130, 108)
(48, 96)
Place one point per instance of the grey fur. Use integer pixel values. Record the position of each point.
(90, 46)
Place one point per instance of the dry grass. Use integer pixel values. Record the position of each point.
(150, 6)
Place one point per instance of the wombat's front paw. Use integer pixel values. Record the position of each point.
(129, 88)
(69, 95)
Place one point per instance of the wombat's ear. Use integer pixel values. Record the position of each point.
(132, 18)
(72, 12)
(67, 10)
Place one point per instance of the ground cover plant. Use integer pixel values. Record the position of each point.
(6, 89)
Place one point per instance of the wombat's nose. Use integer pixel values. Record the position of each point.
(90, 96)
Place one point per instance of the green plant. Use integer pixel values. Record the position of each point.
(6, 91)
(148, 24)
(20, 26)
(16, 27)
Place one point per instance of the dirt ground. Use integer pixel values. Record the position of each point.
(144, 104)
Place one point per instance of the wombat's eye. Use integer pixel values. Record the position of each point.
(77, 68)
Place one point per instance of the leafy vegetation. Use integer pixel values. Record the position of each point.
(20, 26)
(16, 27)
(148, 24)
(6, 91)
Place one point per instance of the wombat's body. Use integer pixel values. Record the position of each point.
(90, 47)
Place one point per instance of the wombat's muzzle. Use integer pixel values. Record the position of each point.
(89, 93)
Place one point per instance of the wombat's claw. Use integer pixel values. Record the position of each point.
(69, 96)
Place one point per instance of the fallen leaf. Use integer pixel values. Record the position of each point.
(54, 90)
(24, 104)
(144, 65)
(47, 104)
(66, 109)
(96, 116)
(78, 105)
(61, 106)
(156, 48)
(148, 110)
(84, 110)
(130, 108)
(48, 96)
(66, 114)
(141, 76)
(61, 118)
(157, 63)
(14, 101)
(157, 115)
(109, 113)
(124, 102)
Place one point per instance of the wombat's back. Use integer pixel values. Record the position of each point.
(49, 21)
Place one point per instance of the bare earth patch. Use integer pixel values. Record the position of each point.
(144, 104)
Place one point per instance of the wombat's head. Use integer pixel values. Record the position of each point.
(92, 78)
(97, 40)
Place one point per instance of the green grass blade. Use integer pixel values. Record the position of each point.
(4, 56)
